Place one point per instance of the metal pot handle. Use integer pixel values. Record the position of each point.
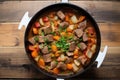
(64, 1)
(24, 21)
(101, 56)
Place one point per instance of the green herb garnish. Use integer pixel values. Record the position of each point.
(36, 38)
(78, 45)
(62, 44)
(81, 39)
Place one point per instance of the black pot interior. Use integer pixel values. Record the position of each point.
(58, 7)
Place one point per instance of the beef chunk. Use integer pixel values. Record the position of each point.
(31, 40)
(72, 46)
(47, 58)
(64, 24)
(47, 30)
(61, 66)
(45, 50)
(75, 37)
(53, 64)
(83, 46)
(41, 39)
(82, 59)
(69, 53)
(85, 37)
(82, 25)
(68, 60)
(49, 37)
(79, 32)
(61, 15)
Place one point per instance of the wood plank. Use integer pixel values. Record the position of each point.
(14, 63)
(11, 36)
(102, 11)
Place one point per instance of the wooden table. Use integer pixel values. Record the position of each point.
(14, 62)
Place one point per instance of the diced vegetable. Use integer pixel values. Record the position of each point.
(75, 56)
(89, 53)
(81, 18)
(53, 26)
(93, 48)
(69, 66)
(77, 62)
(76, 52)
(41, 62)
(41, 21)
(56, 37)
(74, 19)
(54, 48)
(45, 19)
(55, 70)
(35, 30)
(34, 53)
(70, 28)
(55, 17)
(67, 18)
(37, 24)
(37, 58)
(57, 54)
(63, 34)
(75, 68)
(31, 48)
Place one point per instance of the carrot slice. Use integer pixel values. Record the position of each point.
(54, 48)
(63, 34)
(57, 54)
(66, 18)
(75, 56)
(76, 52)
(69, 66)
(34, 53)
(31, 48)
(41, 62)
(81, 18)
(56, 70)
(35, 31)
(56, 37)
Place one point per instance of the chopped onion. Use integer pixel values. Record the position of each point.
(37, 58)
(74, 19)
(75, 68)
(77, 62)
(89, 53)
(41, 21)
(93, 48)
(71, 27)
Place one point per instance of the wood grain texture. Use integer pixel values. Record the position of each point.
(14, 62)
(13, 57)
(11, 36)
(102, 11)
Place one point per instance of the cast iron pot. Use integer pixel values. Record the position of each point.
(57, 7)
